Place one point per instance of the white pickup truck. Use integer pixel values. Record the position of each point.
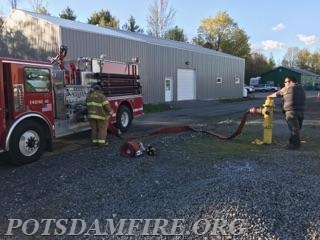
(266, 88)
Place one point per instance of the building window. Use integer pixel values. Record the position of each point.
(37, 79)
(219, 79)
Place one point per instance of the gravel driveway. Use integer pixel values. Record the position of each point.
(194, 176)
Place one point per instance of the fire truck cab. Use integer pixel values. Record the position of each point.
(40, 101)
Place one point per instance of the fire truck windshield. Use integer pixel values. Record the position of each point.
(37, 79)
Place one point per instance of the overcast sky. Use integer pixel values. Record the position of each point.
(272, 25)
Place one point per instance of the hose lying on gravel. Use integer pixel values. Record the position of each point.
(130, 147)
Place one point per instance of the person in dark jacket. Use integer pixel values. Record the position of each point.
(99, 112)
(294, 98)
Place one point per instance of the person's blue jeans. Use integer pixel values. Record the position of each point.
(294, 120)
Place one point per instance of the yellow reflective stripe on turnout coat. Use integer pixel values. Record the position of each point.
(97, 105)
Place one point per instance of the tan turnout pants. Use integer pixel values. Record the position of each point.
(99, 130)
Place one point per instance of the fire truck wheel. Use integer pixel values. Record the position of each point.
(124, 118)
(27, 143)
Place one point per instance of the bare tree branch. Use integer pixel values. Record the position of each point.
(160, 19)
(13, 3)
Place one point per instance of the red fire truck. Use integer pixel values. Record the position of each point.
(40, 101)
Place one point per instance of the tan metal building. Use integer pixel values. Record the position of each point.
(169, 70)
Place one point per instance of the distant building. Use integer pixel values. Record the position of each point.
(277, 76)
(169, 70)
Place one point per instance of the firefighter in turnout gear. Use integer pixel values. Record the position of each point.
(99, 112)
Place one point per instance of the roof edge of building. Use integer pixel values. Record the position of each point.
(124, 34)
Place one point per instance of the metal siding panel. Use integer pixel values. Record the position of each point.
(155, 69)
(33, 38)
(207, 85)
(162, 62)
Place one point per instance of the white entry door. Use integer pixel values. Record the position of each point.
(186, 84)
(168, 89)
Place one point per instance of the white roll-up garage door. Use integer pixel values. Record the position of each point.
(186, 84)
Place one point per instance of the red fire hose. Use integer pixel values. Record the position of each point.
(130, 147)
(233, 135)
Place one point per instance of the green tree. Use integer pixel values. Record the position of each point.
(221, 33)
(272, 62)
(176, 34)
(103, 18)
(131, 26)
(68, 14)
(308, 61)
(42, 10)
(256, 64)
(315, 62)
(39, 7)
(160, 18)
(302, 58)
(237, 44)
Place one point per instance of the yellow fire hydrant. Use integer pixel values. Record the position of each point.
(267, 113)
